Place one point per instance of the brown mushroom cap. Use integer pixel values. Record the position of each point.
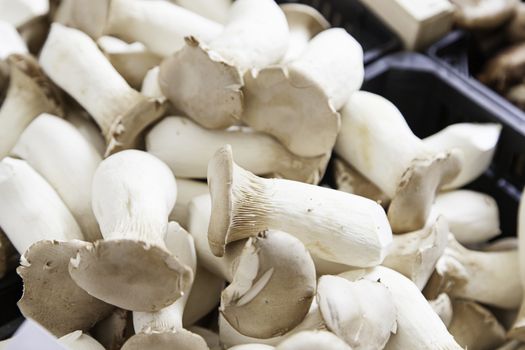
(130, 274)
(50, 296)
(180, 339)
(483, 14)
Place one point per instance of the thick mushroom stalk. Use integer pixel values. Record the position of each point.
(258, 153)
(133, 194)
(405, 170)
(187, 189)
(463, 273)
(79, 341)
(313, 340)
(252, 347)
(518, 329)
(330, 223)
(415, 254)
(298, 103)
(362, 313)
(473, 217)
(483, 14)
(12, 42)
(442, 306)
(30, 93)
(477, 142)
(255, 303)
(216, 10)
(121, 112)
(82, 121)
(55, 149)
(204, 80)
(418, 326)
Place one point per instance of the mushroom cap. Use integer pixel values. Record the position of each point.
(483, 14)
(505, 69)
(417, 189)
(287, 104)
(202, 85)
(130, 274)
(180, 339)
(50, 296)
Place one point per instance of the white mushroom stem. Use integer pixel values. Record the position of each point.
(252, 347)
(518, 329)
(362, 313)
(259, 153)
(463, 273)
(133, 194)
(297, 103)
(313, 340)
(187, 189)
(55, 149)
(255, 36)
(150, 85)
(472, 217)
(377, 141)
(330, 223)
(121, 112)
(415, 254)
(80, 341)
(216, 10)
(475, 327)
(478, 143)
(18, 12)
(31, 209)
(89, 130)
(418, 326)
(442, 306)
(12, 42)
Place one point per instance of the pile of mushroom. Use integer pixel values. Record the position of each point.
(162, 177)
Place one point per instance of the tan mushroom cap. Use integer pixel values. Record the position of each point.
(202, 85)
(418, 187)
(50, 296)
(180, 339)
(483, 14)
(130, 274)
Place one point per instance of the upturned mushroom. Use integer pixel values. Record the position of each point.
(12, 42)
(313, 340)
(121, 112)
(362, 313)
(163, 329)
(133, 194)
(463, 273)
(30, 93)
(406, 170)
(187, 189)
(330, 223)
(477, 142)
(483, 14)
(418, 326)
(204, 78)
(216, 10)
(67, 161)
(442, 306)
(257, 152)
(298, 103)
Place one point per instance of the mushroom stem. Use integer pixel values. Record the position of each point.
(19, 12)
(418, 326)
(518, 329)
(12, 42)
(463, 273)
(255, 36)
(121, 112)
(313, 340)
(55, 149)
(187, 189)
(330, 223)
(80, 341)
(89, 130)
(216, 10)
(405, 170)
(259, 153)
(442, 306)
(133, 194)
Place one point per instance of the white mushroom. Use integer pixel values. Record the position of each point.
(187, 189)
(87, 127)
(216, 10)
(259, 153)
(478, 143)
(204, 78)
(330, 223)
(79, 341)
(12, 42)
(313, 340)
(483, 14)
(150, 84)
(133, 194)
(518, 329)
(298, 103)
(377, 141)
(442, 306)
(18, 12)
(252, 347)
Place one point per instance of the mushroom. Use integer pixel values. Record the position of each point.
(298, 103)
(8, 255)
(133, 194)
(87, 127)
(163, 329)
(473, 217)
(518, 329)
(211, 338)
(12, 42)
(442, 306)
(515, 29)
(483, 14)
(405, 170)
(478, 143)
(259, 153)
(304, 22)
(150, 84)
(187, 189)
(313, 340)
(216, 10)
(463, 273)
(348, 179)
(80, 341)
(504, 69)
(34, 32)
(132, 61)
(418, 326)
(18, 12)
(415, 254)
(330, 223)
(516, 95)
(512, 345)
(502, 244)
(121, 112)
(30, 93)
(362, 313)
(113, 331)
(59, 153)
(252, 347)
(204, 78)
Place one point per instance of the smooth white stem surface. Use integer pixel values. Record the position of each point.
(12, 42)
(150, 85)
(313, 340)
(187, 189)
(55, 149)
(18, 12)
(442, 305)
(80, 341)
(252, 347)
(518, 329)
(89, 130)
(216, 10)
(30, 209)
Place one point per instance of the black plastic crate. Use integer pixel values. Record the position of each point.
(375, 37)
(8, 329)
(432, 96)
(10, 293)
